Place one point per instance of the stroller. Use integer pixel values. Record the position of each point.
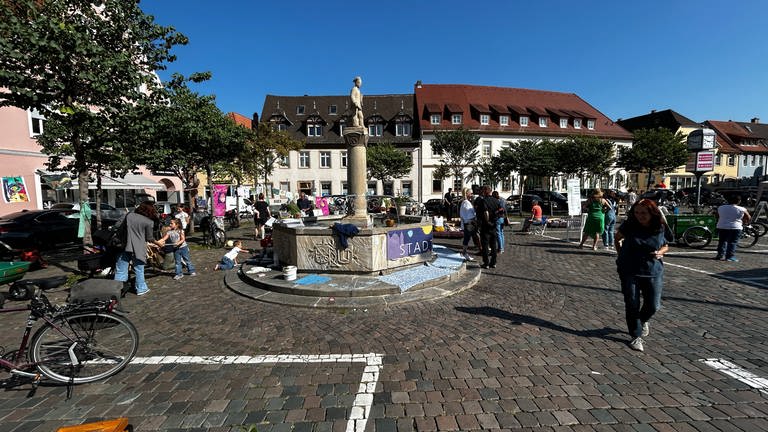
(103, 257)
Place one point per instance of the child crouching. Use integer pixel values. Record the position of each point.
(229, 260)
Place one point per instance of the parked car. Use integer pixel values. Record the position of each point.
(107, 211)
(42, 229)
(522, 203)
(434, 206)
(551, 202)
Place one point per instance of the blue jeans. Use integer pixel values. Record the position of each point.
(181, 256)
(726, 242)
(121, 270)
(633, 287)
(500, 231)
(610, 224)
(226, 264)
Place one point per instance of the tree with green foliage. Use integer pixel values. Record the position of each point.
(271, 145)
(490, 171)
(191, 135)
(656, 149)
(530, 158)
(82, 65)
(581, 155)
(458, 150)
(385, 161)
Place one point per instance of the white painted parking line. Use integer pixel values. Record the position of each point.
(361, 409)
(734, 371)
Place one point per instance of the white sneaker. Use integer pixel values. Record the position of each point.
(637, 344)
(468, 257)
(177, 277)
(646, 329)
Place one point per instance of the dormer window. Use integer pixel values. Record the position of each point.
(543, 121)
(524, 120)
(314, 129)
(376, 126)
(563, 122)
(504, 120)
(300, 109)
(456, 119)
(485, 119)
(577, 123)
(590, 124)
(402, 126)
(434, 119)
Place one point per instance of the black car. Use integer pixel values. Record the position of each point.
(434, 206)
(522, 203)
(41, 229)
(551, 202)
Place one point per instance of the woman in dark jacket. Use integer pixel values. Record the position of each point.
(140, 226)
(640, 245)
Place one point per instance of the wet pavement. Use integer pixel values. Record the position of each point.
(539, 343)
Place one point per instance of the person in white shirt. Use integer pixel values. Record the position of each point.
(468, 223)
(182, 216)
(730, 220)
(229, 260)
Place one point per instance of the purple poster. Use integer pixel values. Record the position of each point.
(413, 241)
(219, 200)
(321, 203)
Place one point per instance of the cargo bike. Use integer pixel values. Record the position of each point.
(698, 230)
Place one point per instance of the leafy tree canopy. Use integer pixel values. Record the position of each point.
(584, 154)
(458, 150)
(654, 150)
(385, 161)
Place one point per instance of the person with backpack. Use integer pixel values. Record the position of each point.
(487, 211)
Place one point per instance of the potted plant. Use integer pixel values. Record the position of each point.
(293, 210)
(402, 203)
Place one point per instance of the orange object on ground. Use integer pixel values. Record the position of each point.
(115, 425)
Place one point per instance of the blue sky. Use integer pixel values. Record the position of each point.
(705, 59)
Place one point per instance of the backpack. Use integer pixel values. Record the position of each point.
(119, 238)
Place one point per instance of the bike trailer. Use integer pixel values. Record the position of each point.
(95, 290)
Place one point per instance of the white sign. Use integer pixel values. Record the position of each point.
(701, 161)
(574, 197)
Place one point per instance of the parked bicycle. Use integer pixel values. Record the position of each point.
(213, 231)
(77, 343)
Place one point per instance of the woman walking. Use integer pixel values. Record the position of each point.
(640, 245)
(595, 224)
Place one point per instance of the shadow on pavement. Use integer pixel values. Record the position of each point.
(518, 319)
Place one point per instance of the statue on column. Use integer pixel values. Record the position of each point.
(357, 103)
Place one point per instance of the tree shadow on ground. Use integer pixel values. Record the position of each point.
(518, 319)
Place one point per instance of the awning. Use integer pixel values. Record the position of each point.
(130, 181)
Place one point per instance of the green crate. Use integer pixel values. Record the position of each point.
(680, 223)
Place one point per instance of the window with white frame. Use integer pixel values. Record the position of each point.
(590, 124)
(325, 159)
(403, 128)
(506, 144)
(344, 159)
(285, 186)
(314, 129)
(36, 121)
(284, 161)
(332, 109)
(563, 122)
(504, 120)
(486, 149)
(300, 109)
(456, 119)
(731, 160)
(523, 120)
(744, 160)
(485, 119)
(325, 188)
(344, 188)
(434, 119)
(719, 159)
(376, 129)
(406, 188)
(577, 123)
(437, 185)
(304, 159)
(543, 121)
(436, 152)
(753, 160)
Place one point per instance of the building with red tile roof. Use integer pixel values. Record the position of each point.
(748, 142)
(502, 115)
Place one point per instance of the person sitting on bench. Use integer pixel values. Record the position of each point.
(535, 216)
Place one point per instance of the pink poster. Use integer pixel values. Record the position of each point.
(219, 200)
(322, 204)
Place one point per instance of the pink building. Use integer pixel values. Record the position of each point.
(28, 184)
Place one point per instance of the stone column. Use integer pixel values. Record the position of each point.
(356, 138)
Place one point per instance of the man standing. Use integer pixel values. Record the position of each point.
(731, 218)
(487, 210)
(357, 103)
(448, 204)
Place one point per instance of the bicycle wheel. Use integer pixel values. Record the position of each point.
(761, 228)
(218, 237)
(84, 347)
(748, 237)
(697, 237)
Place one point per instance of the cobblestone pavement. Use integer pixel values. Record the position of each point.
(538, 344)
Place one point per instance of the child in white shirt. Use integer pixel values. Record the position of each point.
(229, 260)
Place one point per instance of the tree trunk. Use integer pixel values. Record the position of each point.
(82, 183)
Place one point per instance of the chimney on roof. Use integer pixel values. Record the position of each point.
(653, 111)
(418, 84)
(755, 120)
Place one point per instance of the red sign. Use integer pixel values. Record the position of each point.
(705, 161)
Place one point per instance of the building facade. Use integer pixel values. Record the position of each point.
(501, 116)
(29, 184)
(320, 168)
(749, 143)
